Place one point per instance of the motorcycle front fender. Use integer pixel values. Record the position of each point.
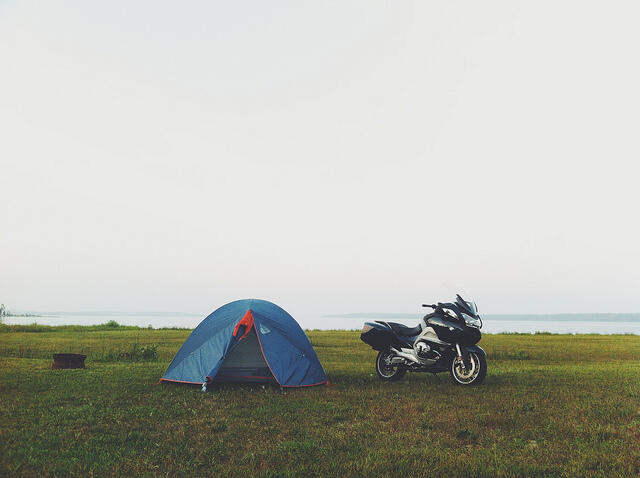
(475, 349)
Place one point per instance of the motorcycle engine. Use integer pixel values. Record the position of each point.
(422, 349)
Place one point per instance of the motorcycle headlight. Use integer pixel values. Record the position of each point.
(471, 321)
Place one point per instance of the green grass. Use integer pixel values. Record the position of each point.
(552, 405)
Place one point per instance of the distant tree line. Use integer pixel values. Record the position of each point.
(6, 313)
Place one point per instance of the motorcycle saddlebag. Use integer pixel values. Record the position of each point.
(378, 336)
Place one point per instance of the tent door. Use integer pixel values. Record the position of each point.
(245, 363)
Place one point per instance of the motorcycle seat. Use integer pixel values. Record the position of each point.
(404, 330)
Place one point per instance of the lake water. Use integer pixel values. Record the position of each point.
(562, 324)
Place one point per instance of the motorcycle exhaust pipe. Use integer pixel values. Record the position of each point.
(409, 357)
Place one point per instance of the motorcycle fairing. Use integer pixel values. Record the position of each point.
(452, 332)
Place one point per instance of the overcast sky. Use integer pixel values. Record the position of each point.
(329, 156)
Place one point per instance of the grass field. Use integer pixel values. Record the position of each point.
(552, 405)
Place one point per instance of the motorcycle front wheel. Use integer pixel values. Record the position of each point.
(386, 370)
(472, 373)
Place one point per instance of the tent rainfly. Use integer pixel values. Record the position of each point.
(247, 340)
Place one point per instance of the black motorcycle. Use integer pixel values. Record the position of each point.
(444, 340)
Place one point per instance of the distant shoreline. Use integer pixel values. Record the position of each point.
(104, 313)
(600, 317)
(22, 315)
(111, 327)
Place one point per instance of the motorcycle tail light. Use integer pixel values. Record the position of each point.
(366, 328)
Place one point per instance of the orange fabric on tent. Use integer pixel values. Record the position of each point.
(247, 322)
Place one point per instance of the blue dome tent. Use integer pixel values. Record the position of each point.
(247, 340)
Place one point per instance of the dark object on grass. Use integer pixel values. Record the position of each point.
(444, 340)
(68, 361)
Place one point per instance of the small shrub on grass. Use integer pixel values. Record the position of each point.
(136, 353)
(466, 435)
(145, 352)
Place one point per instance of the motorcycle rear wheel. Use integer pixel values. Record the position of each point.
(387, 371)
